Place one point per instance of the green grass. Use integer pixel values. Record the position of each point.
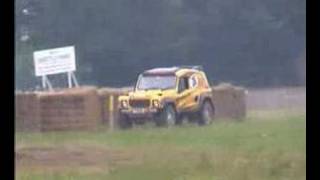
(266, 145)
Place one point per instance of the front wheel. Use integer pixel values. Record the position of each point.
(206, 113)
(125, 122)
(167, 117)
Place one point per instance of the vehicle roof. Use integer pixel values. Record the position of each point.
(178, 71)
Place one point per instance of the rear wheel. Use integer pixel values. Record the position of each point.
(180, 119)
(125, 122)
(167, 117)
(206, 113)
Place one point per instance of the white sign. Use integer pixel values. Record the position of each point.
(54, 61)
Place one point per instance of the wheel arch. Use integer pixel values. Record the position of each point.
(170, 102)
(207, 98)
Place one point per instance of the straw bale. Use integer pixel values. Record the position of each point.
(69, 109)
(230, 101)
(27, 114)
(84, 108)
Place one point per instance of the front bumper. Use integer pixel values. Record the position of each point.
(139, 112)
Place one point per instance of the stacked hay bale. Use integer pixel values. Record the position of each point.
(86, 107)
(27, 111)
(104, 96)
(70, 109)
(66, 109)
(229, 101)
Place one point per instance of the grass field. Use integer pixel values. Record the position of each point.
(266, 145)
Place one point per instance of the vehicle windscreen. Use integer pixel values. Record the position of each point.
(147, 82)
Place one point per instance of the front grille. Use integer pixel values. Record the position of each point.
(139, 103)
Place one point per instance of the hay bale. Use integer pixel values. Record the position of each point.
(224, 87)
(83, 108)
(104, 95)
(70, 109)
(229, 101)
(27, 112)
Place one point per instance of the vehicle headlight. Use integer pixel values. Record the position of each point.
(124, 104)
(156, 103)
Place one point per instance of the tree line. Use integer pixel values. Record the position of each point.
(253, 43)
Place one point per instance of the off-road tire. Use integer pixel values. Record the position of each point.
(167, 117)
(206, 113)
(179, 119)
(125, 122)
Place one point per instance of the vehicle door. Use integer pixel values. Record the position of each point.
(187, 97)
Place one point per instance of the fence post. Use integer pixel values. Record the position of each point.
(111, 118)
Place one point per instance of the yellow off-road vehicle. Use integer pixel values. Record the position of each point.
(168, 96)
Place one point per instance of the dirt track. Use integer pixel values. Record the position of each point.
(57, 159)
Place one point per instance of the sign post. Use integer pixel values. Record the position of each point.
(69, 80)
(46, 82)
(43, 82)
(55, 61)
(74, 79)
